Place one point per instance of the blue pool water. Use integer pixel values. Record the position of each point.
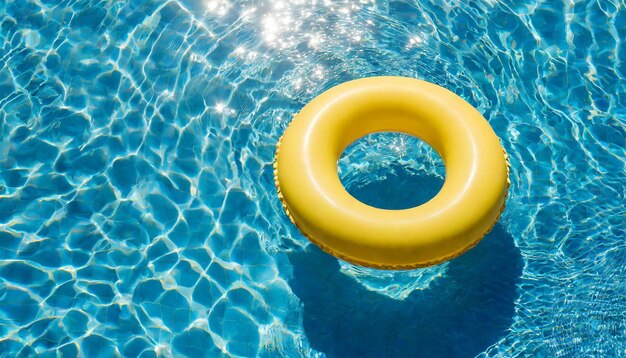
(138, 214)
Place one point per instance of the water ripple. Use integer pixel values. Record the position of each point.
(137, 208)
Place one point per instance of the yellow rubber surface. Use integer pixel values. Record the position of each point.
(464, 210)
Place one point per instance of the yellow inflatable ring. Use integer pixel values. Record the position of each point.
(456, 219)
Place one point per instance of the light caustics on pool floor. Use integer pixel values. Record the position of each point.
(138, 213)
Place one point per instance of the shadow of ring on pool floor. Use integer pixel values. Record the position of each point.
(459, 315)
